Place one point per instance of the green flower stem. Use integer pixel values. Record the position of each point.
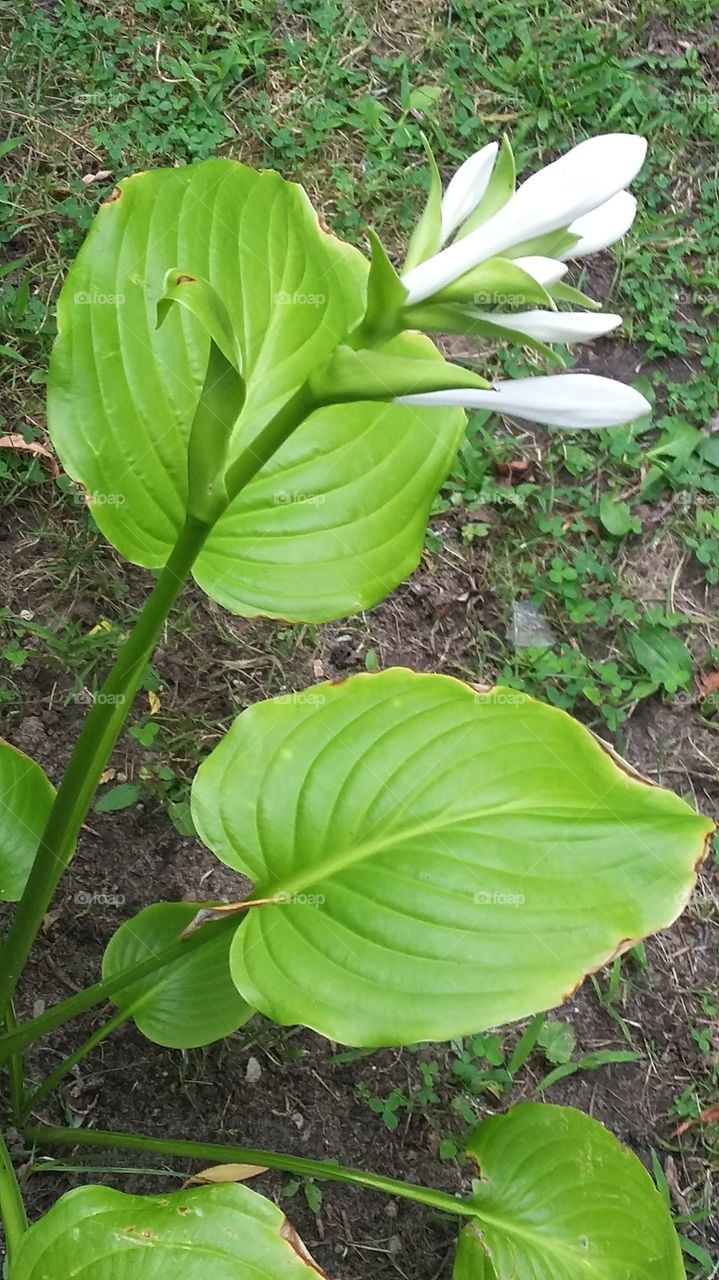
(92, 751)
(218, 1154)
(28, 1032)
(12, 1209)
(97, 1037)
(268, 440)
(106, 718)
(16, 1082)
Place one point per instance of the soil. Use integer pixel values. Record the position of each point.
(301, 1100)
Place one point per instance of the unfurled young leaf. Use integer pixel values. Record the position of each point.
(206, 305)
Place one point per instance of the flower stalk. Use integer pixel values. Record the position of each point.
(301, 1166)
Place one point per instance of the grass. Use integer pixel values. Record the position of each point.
(613, 538)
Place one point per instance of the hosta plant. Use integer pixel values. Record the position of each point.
(246, 399)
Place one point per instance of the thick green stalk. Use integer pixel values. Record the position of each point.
(15, 1073)
(268, 440)
(97, 1037)
(92, 751)
(110, 710)
(12, 1209)
(218, 1154)
(28, 1032)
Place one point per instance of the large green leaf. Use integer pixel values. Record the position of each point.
(190, 1002)
(447, 859)
(122, 392)
(26, 797)
(560, 1197)
(345, 499)
(207, 1233)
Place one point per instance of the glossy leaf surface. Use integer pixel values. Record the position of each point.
(559, 1196)
(190, 1002)
(445, 859)
(224, 1232)
(346, 496)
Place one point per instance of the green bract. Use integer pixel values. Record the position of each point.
(26, 797)
(445, 859)
(205, 1233)
(560, 1197)
(498, 281)
(346, 498)
(185, 1004)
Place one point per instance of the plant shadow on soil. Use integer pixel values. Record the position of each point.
(300, 1100)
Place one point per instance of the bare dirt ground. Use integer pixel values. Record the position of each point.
(280, 1088)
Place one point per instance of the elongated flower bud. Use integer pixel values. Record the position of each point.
(466, 189)
(583, 180)
(554, 326)
(603, 226)
(565, 400)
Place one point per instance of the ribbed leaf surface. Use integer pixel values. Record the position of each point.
(447, 859)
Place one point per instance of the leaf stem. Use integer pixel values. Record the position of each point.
(90, 755)
(97, 1037)
(12, 1209)
(109, 712)
(218, 1154)
(268, 440)
(56, 1016)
